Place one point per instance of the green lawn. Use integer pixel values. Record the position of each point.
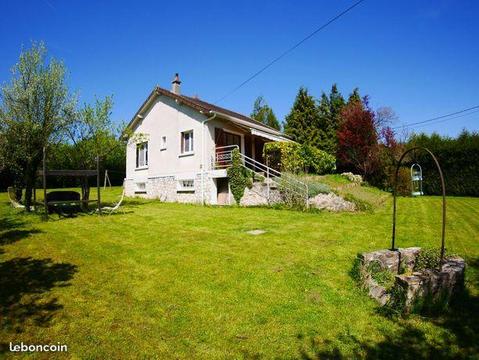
(183, 281)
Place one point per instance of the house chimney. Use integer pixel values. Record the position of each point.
(175, 85)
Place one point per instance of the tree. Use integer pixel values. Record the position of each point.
(303, 122)
(330, 119)
(327, 131)
(264, 114)
(36, 108)
(93, 134)
(358, 139)
(354, 96)
(337, 103)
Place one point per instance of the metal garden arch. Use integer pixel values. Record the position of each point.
(443, 235)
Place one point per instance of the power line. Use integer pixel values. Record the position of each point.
(446, 117)
(344, 12)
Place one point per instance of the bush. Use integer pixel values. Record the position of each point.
(427, 259)
(295, 158)
(239, 177)
(314, 187)
(283, 156)
(317, 161)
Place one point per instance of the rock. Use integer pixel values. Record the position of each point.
(357, 179)
(331, 202)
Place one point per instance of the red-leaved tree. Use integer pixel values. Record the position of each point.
(358, 139)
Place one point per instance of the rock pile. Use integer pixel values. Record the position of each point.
(331, 202)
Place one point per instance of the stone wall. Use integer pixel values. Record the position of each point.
(258, 195)
(162, 188)
(412, 290)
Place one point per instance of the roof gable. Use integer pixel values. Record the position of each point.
(198, 105)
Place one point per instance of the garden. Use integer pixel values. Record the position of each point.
(187, 281)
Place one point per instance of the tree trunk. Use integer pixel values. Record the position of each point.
(18, 193)
(85, 193)
(29, 180)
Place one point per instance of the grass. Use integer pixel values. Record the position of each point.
(164, 280)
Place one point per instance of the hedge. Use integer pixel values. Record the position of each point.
(459, 161)
(295, 158)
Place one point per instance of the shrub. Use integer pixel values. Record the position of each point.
(315, 188)
(427, 259)
(239, 177)
(295, 158)
(317, 161)
(284, 156)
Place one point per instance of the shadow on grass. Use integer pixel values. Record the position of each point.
(11, 236)
(24, 283)
(460, 340)
(11, 230)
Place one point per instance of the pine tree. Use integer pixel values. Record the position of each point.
(328, 138)
(302, 124)
(330, 115)
(337, 102)
(264, 114)
(355, 97)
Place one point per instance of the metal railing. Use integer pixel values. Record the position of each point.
(223, 159)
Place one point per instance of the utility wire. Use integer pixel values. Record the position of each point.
(344, 12)
(446, 117)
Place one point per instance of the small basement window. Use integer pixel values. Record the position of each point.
(186, 186)
(163, 143)
(140, 188)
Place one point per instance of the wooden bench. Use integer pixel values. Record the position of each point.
(62, 199)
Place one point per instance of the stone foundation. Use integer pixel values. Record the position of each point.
(412, 290)
(164, 188)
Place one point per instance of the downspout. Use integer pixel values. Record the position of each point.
(203, 156)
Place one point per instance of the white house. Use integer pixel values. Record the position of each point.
(180, 147)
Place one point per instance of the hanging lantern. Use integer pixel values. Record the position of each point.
(416, 180)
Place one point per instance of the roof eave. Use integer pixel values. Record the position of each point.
(248, 124)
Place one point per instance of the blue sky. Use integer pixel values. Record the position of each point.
(419, 57)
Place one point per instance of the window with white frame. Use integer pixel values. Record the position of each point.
(187, 185)
(187, 142)
(142, 155)
(163, 143)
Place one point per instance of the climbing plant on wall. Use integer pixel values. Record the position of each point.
(238, 176)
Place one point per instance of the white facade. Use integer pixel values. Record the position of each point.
(178, 164)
